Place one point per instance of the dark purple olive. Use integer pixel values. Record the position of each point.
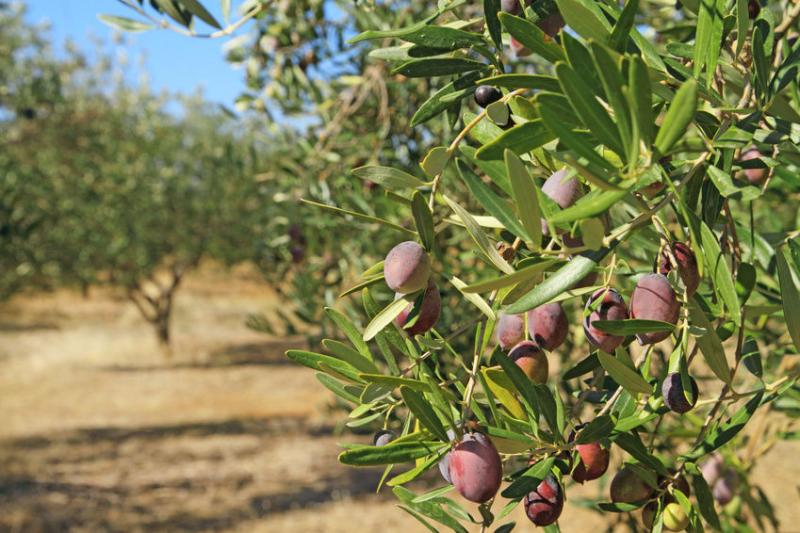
(654, 299)
(753, 9)
(673, 393)
(687, 266)
(486, 94)
(383, 437)
(428, 312)
(543, 505)
(548, 325)
(612, 307)
(513, 7)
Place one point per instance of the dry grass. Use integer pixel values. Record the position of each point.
(101, 432)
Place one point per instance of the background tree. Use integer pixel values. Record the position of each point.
(109, 186)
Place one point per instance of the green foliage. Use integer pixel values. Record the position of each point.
(651, 107)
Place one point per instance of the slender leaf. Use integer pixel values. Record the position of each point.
(394, 452)
(520, 139)
(445, 98)
(723, 432)
(585, 18)
(678, 117)
(622, 29)
(790, 298)
(423, 219)
(530, 479)
(198, 10)
(502, 388)
(494, 205)
(388, 177)
(473, 298)
(360, 216)
(561, 281)
(386, 316)
(124, 23)
(525, 198)
(479, 237)
(632, 326)
(523, 81)
(588, 108)
(521, 275)
(720, 273)
(628, 378)
(417, 404)
(318, 361)
(437, 66)
(531, 37)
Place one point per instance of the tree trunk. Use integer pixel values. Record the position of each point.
(85, 290)
(165, 314)
(162, 330)
(157, 309)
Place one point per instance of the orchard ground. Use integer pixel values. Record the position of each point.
(101, 432)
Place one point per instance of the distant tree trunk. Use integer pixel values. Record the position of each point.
(155, 304)
(162, 330)
(85, 289)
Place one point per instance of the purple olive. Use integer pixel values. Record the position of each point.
(509, 330)
(687, 266)
(654, 299)
(562, 190)
(753, 9)
(531, 360)
(756, 176)
(475, 468)
(298, 253)
(383, 437)
(543, 505)
(725, 488)
(673, 393)
(552, 24)
(428, 312)
(612, 307)
(407, 268)
(712, 469)
(592, 462)
(548, 325)
(486, 94)
(628, 487)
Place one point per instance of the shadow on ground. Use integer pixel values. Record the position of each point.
(269, 353)
(199, 476)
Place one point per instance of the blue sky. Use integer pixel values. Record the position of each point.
(173, 61)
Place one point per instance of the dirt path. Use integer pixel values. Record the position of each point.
(99, 433)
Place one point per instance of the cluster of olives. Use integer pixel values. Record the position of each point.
(473, 465)
(723, 480)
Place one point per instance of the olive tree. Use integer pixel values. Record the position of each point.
(107, 183)
(615, 210)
